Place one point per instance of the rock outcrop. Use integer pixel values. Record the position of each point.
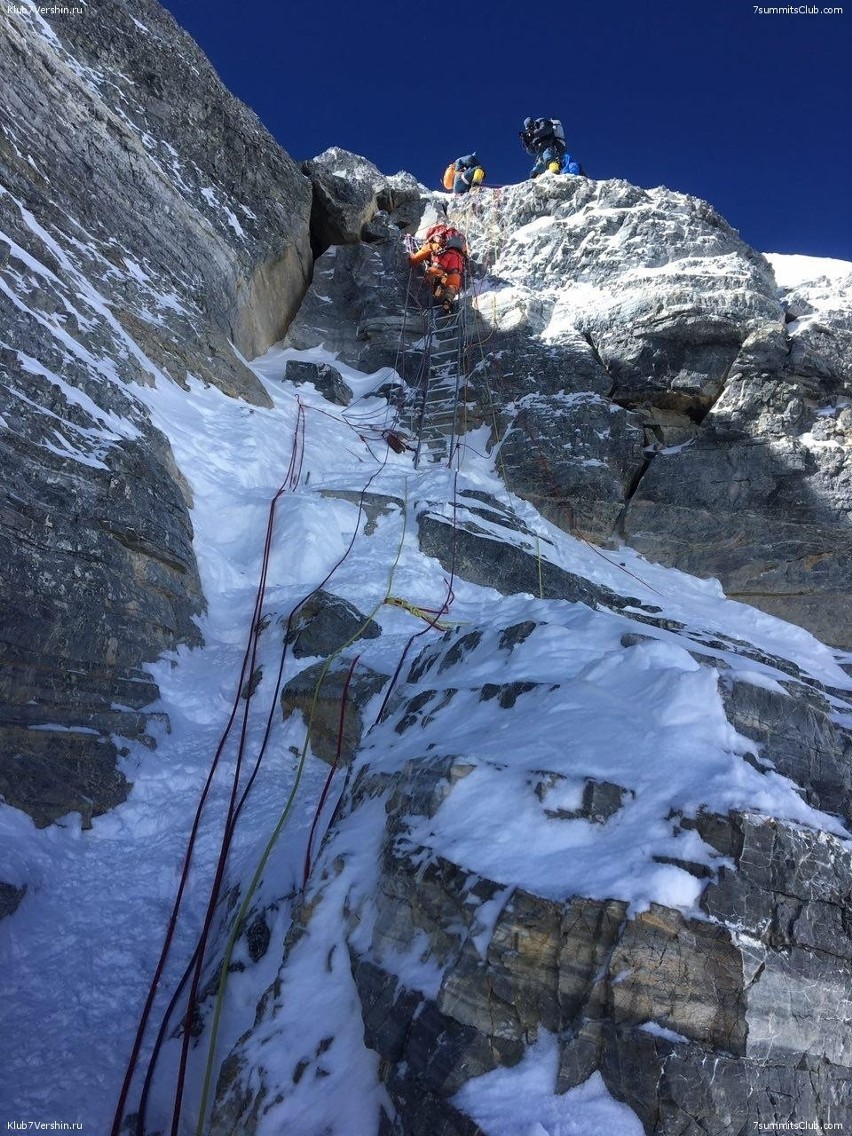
(644, 378)
(706, 1018)
(632, 347)
(740, 390)
(354, 201)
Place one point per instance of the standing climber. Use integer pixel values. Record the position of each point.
(445, 249)
(464, 174)
(544, 138)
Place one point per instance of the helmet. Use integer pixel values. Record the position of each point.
(527, 123)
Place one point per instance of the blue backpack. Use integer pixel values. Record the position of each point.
(571, 166)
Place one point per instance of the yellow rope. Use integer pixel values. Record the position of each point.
(421, 613)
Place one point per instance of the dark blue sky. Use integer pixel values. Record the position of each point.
(751, 112)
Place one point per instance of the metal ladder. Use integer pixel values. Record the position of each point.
(436, 406)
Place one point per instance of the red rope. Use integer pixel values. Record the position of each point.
(245, 672)
(292, 479)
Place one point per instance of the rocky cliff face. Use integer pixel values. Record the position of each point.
(148, 227)
(711, 1012)
(738, 391)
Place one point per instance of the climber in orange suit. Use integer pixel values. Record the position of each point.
(446, 251)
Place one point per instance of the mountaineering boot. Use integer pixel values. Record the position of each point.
(553, 167)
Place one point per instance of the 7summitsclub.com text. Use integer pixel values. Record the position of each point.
(796, 10)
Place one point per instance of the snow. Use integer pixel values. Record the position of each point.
(647, 718)
(135, 271)
(209, 195)
(523, 1101)
(657, 1030)
(234, 223)
(792, 271)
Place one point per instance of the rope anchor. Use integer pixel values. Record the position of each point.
(429, 614)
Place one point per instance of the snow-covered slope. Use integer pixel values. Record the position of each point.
(647, 717)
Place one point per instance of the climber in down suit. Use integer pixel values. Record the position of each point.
(445, 250)
(544, 138)
(469, 174)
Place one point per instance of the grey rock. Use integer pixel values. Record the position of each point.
(494, 563)
(461, 646)
(10, 898)
(554, 455)
(356, 307)
(796, 734)
(513, 636)
(699, 1025)
(158, 129)
(685, 975)
(760, 495)
(641, 376)
(318, 694)
(327, 623)
(372, 505)
(774, 535)
(799, 1004)
(681, 1090)
(327, 379)
(349, 192)
(424, 708)
(100, 575)
(601, 799)
(506, 693)
(48, 774)
(788, 887)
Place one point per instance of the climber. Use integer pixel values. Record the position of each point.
(545, 139)
(445, 249)
(464, 174)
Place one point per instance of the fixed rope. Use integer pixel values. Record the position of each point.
(292, 475)
(273, 839)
